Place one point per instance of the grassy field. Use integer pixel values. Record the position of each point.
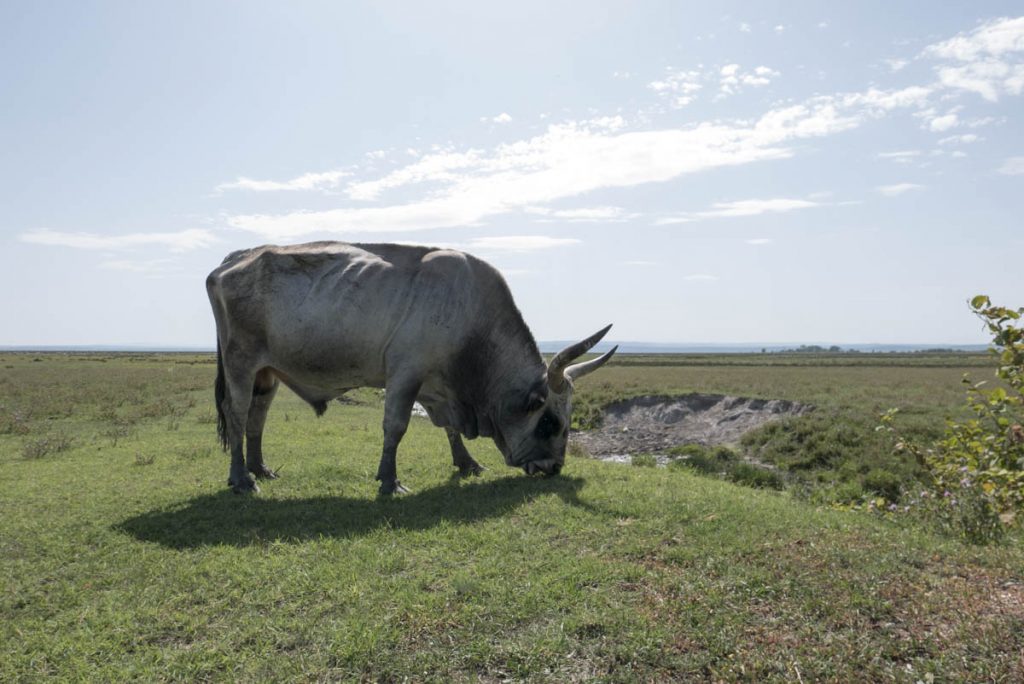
(123, 555)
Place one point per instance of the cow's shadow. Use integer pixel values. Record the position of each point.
(226, 518)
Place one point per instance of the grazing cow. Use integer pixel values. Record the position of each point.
(430, 325)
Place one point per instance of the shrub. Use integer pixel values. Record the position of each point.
(883, 483)
(753, 476)
(977, 468)
(44, 446)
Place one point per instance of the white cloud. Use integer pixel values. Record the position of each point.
(896, 64)
(779, 28)
(731, 79)
(897, 189)
(519, 243)
(584, 214)
(744, 27)
(499, 119)
(984, 59)
(307, 181)
(436, 167)
(992, 39)
(963, 139)
(760, 241)
(943, 123)
(900, 156)
(640, 262)
(181, 241)
(741, 208)
(1013, 166)
(679, 87)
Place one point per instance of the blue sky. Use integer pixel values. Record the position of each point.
(692, 172)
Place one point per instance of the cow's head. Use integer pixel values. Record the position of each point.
(535, 429)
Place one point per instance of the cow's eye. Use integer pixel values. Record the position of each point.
(547, 426)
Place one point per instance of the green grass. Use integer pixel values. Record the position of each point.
(124, 556)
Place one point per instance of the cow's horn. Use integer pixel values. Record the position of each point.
(578, 370)
(561, 361)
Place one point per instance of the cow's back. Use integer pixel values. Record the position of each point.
(332, 311)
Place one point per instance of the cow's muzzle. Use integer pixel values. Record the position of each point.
(547, 466)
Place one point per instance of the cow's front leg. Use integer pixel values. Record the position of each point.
(460, 456)
(397, 408)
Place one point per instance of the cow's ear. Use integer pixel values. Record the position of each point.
(537, 397)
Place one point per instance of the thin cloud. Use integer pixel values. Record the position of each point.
(741, 208)
(307, 181)
(760, 241)
(1013, 166)
(583, 214)
(519, 243)
(897, 189)
(502, 118)
(154, 268)
(700, 277)
(900, 156)
(193, 238)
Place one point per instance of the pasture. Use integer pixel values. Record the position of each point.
(123, 555)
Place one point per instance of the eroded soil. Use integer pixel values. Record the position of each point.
(653, 424)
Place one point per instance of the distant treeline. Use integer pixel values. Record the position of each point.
(835, 349)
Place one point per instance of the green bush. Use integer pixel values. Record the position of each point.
(977, 467)
(753, 476)
(883, 483)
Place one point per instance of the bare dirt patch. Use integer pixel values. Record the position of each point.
(654, 424)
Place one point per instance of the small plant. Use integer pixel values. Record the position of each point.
(576, 449)
(644, 460)
(121, 429)
(44, 446)
(144, 459)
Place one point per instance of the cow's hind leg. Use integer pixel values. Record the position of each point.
(263, 391)
(239, 378)
(460, 456)
(397, 408)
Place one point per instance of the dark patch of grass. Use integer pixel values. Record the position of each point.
(750, 475)
(723, 462)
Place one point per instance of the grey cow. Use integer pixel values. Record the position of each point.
(430, 325)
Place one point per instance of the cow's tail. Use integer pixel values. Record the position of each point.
(220, 393)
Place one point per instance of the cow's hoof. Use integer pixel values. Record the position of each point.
(245, 486)
(262, 472)
(393, 487)
(471, 469)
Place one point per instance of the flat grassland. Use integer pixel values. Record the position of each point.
(123, 555)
